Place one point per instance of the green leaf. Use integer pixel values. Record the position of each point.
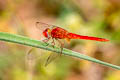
(38, 44)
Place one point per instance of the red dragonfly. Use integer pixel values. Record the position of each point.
(56, 33)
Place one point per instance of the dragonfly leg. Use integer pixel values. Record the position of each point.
(53, 42)
(52, 57)
(46, 40)
(61, 46)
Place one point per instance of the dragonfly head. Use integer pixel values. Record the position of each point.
(47, 33)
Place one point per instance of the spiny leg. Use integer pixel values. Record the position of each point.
(53, 42)
(46, 40)
(49, 59)
(61, 46)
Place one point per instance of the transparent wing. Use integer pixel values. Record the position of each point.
(32, 58)
(51, 58)
(43, 26)
(30, 55)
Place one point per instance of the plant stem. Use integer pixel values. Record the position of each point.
(38, 44)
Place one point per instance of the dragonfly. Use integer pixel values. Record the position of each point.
(57, 33)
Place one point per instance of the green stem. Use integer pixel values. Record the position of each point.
(38, 44)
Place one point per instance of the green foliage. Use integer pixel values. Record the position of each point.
(38, 44)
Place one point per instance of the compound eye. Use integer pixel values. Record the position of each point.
(46, 33)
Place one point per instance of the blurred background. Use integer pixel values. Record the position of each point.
(100, 18)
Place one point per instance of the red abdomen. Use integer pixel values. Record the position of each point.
(75, 36)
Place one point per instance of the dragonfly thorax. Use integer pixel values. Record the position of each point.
(47, 33)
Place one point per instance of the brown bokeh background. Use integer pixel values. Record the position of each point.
(100, 18)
